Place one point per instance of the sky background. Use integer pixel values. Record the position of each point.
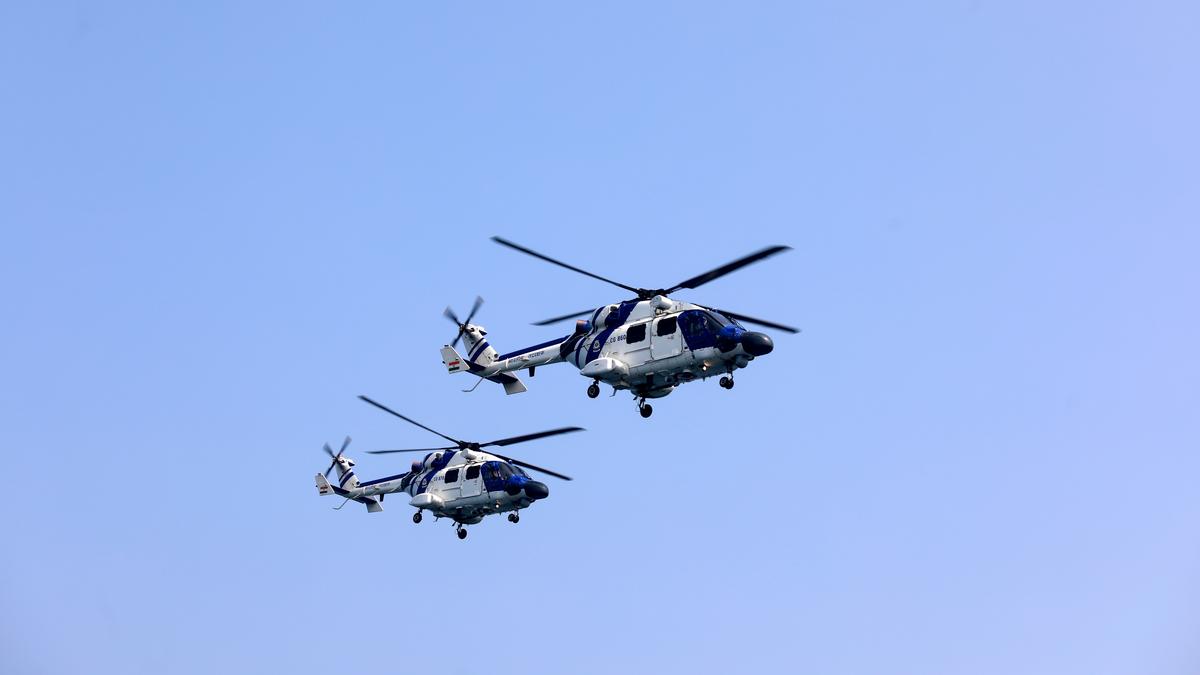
(219, 223)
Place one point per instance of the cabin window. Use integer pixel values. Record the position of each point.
(666, 326)
(636, 333)
(452, 476)
(473, 472)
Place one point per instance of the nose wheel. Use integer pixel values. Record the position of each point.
(514, 518)
(593, 390)
(417, 517)
(726, 382)
(462, 532)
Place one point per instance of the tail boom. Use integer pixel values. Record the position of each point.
(498, 368)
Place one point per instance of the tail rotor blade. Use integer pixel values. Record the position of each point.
(329, 451)
(474, 309)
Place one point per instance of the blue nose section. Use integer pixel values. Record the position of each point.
(729, 337)
(757, 344)
(536, 490)
(514, 484)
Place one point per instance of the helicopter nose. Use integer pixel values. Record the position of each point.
(757, 344)
(536, 490)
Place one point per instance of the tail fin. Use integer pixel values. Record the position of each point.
(453, 362)
(323, 486)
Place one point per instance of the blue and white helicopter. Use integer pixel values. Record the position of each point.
(648, 344)
(459, 481)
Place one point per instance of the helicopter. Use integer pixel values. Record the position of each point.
(649, 344)
(460, 481)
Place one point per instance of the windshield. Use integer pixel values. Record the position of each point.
(725, 320)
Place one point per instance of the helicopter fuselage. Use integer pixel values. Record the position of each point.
(646, 346)
(465, 485)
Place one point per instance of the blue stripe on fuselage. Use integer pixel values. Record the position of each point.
(435, 467)
(384, 480)
(596, 345)
(478, 350)
(534, 348)
(345, 477)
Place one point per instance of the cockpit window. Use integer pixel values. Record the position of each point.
(699, 328)
(726, 320)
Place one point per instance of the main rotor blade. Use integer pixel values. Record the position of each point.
(721, 271)
(564, 317)
(527, 465)
(388, 452)
(389, 410)
(522, 249)
(531, 437)
(411, 451)
(761, 322)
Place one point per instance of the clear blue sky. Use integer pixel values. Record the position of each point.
(219, 223)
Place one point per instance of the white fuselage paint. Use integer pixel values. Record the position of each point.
(465, 500)
(651, 366)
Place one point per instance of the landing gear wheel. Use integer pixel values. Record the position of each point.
(646, 410)
(514, 518)
(727, 382)
(417, 517)
(593, 390)
(462, 533)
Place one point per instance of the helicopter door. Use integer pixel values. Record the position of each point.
(450, 484)
(637, 341)
(664, 339)
(472, 483)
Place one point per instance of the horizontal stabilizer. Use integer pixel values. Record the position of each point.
(514, 386)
